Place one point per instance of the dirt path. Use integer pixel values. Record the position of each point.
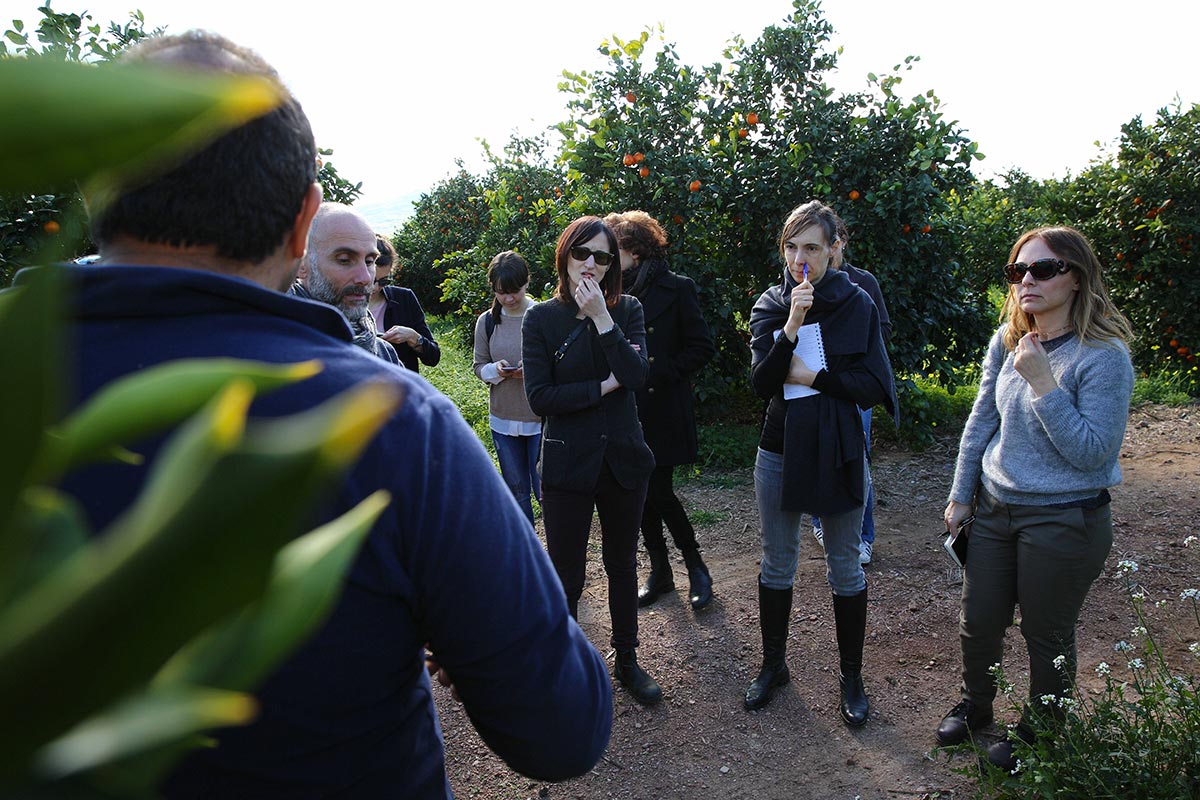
(700, 742)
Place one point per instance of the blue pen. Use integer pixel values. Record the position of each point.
(805, 270)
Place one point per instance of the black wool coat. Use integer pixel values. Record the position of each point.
(678, 346)
(582, 430)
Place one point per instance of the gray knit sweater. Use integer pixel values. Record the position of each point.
(1059, 448)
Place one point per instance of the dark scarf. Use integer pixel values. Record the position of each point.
(823, 439)
(636, 280)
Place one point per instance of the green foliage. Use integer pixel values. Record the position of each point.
(727, 446)
(454, 377)
(1134, 738)
(1164, 387)
(27, 218)
(719, 154)
(335, 188)
(89, 619)
(1142, 212)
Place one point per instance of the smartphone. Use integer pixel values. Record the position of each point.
(509, 369)
(956, 543)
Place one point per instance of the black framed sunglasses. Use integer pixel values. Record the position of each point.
(580, 253)
(1043, 269)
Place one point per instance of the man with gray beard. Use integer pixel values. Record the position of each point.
(339, 270)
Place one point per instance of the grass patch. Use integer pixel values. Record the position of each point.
(1167, 387)
(454, 378)
(702, 518)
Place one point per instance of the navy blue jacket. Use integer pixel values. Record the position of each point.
(453, 563)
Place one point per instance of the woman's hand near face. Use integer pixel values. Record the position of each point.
(1031, 363)
(802, 300)
(590, 300)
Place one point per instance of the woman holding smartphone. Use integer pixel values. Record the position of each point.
(812, 455)
(584, 356)
(1037, 456)
(516, 430)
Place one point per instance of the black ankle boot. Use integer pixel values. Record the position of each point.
(636, 681)
(774, 612)
(850, 615)
(660, 580)
(699, 583)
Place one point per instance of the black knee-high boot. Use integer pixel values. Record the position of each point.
(850, 615)
(774, 612)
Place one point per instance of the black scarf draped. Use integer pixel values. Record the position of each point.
(637, 279)
(823, 437)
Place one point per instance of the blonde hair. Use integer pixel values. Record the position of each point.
(1094, 317)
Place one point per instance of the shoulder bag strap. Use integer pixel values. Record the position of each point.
(562, 348)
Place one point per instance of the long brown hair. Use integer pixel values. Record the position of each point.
(578, 232)
(1094, 317)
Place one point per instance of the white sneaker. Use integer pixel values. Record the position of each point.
(819, 535)
(864, 552)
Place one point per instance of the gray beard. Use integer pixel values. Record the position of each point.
(323, 290)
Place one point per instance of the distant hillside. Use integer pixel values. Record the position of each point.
(389, 214)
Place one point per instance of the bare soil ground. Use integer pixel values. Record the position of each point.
(701, 743)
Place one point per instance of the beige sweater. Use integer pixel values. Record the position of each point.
(507, 398)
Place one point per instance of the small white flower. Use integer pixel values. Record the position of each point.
(1020, 766)
(1102, 668)
(1188, 541)
(1048, 699)
(1139, 631)
(1122, 646)
(1137, 664)
(1194, 649)
(1067, 703)
(1059, 662)
(1138, 596)
(1126, 567)
(1190, 594)
(1160, 604)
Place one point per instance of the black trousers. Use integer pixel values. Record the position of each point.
(663, 506)
(568, 519)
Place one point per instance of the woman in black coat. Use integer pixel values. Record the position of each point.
(398, 314)
(584, 353)
(679, 344)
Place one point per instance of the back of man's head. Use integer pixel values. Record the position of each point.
(241, 194)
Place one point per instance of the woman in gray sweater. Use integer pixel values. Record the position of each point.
(1037, 456)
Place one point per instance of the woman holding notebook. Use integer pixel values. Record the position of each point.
(817, 357)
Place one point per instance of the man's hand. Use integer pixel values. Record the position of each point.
(439, 674)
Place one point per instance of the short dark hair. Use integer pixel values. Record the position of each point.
(242, 192)
(639, 233)
(578, 232)
(387, 254)
(508, 272)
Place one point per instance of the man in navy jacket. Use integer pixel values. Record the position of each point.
(193, 264)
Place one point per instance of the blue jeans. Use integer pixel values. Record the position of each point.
(518, 457)
(781, 534)
(868, 523)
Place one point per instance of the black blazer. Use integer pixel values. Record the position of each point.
(581, 430)
(403, 308)
(679, 344)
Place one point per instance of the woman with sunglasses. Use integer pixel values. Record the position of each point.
(398, 314)
(516, 430)
(584, 353)
(1037, 457)
(812, 454)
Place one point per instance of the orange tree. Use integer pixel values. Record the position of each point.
(1142, 211)
(720, 154)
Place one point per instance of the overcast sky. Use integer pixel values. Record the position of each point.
(402, 89)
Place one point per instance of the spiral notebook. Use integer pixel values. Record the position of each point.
(810, 347)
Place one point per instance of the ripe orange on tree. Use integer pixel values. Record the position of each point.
(627, 160)
(907, 228)
(742, 132)
(854, 195)
(52, 227)
(694, 186)
(927, 229)
(639, 157)
(678, 219)
(644, 172)
(631, 97)
(752, 118)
